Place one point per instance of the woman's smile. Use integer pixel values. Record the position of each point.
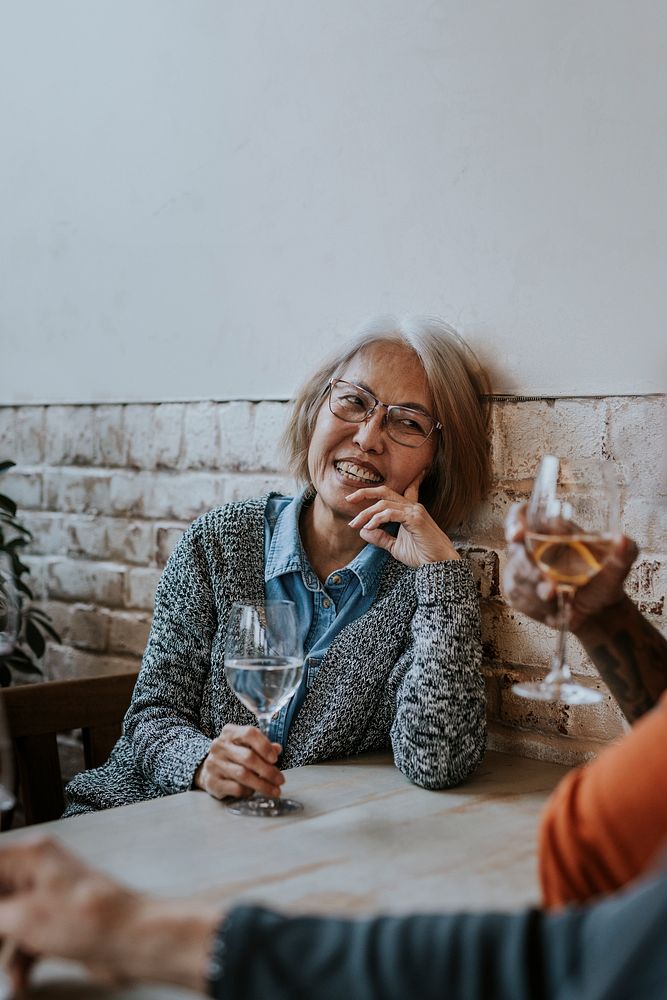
(356, 471)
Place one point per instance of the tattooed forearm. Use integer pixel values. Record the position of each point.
(618, 668)
(631, 656)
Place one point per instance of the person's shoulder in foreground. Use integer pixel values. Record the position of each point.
(612, 950)
(606, 822)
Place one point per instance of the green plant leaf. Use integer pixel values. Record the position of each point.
(35, 639)
(16, 543)
(8, 504)
(47, 627)
(18, 660)
(35, 626)
(11, 522)
(42, 621)
(34, 612)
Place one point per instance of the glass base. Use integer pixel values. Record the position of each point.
(7, 800)
(258, 805)
(569, 693)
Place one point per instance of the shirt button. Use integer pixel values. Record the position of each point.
(326, 603)
(335, 579)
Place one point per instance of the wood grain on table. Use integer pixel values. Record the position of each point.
(368, 841)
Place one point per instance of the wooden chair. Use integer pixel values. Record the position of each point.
(36, 713)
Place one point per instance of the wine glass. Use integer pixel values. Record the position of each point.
(9, 619)
(7, 774)
(9, 606)
(572, 523)
(264, 667)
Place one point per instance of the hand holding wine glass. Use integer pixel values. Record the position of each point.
(264, 667)
(571, 530)
(533, 594)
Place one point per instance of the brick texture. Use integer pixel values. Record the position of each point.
(108, 490)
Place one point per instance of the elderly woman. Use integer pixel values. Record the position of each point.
(390, 437)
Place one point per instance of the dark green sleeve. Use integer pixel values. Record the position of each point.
(613, 950)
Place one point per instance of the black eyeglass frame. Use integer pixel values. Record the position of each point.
(435, 424)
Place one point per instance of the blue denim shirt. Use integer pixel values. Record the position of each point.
(323, 610)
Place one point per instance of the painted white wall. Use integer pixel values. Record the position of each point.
(198, 197)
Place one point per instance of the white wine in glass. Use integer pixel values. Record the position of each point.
(569, 560)
(264, 667)
(572, 523)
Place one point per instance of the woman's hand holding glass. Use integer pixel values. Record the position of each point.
(264, 667)
(419, 539)
(240, 762)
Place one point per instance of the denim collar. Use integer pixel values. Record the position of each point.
(287, 554)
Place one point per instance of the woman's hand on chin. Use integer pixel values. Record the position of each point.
(241, 761)
(419, 539)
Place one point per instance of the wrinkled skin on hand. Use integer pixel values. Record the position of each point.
(419, 539)
(53, 904)
(240, 761)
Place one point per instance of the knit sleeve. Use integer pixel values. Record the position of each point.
(611, 950)
(162, 723)
(606, 822)
(259, 953)
(436, 689)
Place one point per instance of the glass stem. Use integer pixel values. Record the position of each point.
(263, 723)
(560, 672)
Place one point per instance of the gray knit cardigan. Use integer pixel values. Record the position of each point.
(406, 673)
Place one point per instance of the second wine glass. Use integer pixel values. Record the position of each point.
(572, 522)
(9, 619)
(264, 667)
(9, 607)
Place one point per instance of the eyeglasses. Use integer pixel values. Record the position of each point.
(404, 425)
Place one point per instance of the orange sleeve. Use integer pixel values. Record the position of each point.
(605, 822)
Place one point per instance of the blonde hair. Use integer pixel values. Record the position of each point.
(460, 473)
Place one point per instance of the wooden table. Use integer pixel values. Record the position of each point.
(368, 841)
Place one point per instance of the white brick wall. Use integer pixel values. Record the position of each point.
(108, 490)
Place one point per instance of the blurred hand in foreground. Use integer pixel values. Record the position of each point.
(53, 905)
